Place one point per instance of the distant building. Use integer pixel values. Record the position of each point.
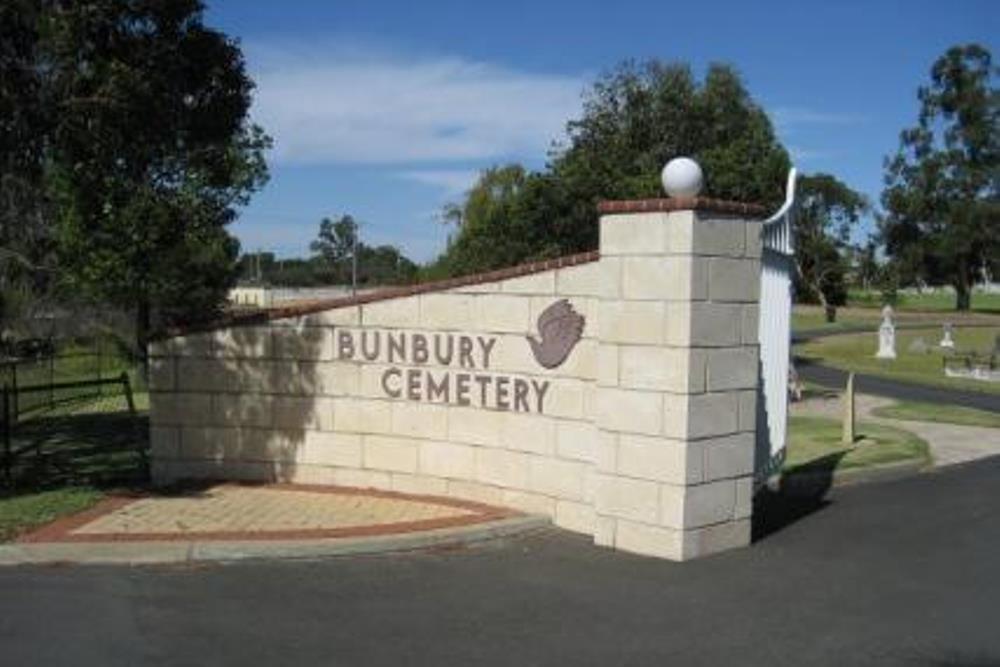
(251, 296)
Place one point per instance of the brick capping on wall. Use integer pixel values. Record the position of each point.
(664, 205)
(308, 308)
(668, 205)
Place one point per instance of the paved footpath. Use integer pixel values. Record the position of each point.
(949, 443)
(888, 574)
(234, 521)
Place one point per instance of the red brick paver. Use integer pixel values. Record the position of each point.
(241, 512)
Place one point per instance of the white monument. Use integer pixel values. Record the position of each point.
(946, 339)
(886, 336)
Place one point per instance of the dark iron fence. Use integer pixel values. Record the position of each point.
(70, 418)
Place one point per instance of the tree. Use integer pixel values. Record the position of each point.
(866, 267)
(336, 244)
(25, 236)
(828, 210)
(491, 232)
(634, 120)
(942, 188)
(638, 117)
(337, 247)
(149, 155)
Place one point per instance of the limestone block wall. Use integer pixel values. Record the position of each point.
(642, 436)
(433, 393)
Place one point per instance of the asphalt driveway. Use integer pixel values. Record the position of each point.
(904, 572)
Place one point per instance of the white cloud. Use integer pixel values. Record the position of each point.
(352, 106)
(451, 182)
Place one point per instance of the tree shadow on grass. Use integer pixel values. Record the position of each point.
(97, 449)
(801, 492)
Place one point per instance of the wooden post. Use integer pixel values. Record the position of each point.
(847, 436)
(14, 409)
(6, 436)
(52, 379)
(128, 391)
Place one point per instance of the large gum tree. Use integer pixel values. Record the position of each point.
(942, 188)
(150, 154)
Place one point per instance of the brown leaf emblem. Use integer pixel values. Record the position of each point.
(560, 328)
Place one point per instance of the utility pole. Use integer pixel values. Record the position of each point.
(354, 263)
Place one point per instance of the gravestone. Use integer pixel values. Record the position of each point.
(886, 336)
(918, 346)
(946, 339)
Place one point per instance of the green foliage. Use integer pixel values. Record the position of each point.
(150, 154)
(335, 244)
(331, 265)
(25, 244)
(828, 210)
(942, 194)
(634, 120)
(639, 116)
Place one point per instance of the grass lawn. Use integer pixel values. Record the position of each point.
(856, 352)
(21, 513)
(945, 414)
(812, 318)
(982, 302)
(814, 444)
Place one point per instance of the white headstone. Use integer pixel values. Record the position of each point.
(946, 339)
(886, 336)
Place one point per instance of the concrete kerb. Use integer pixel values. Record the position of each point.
(166, 552)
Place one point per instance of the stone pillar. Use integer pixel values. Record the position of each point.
(677, 375)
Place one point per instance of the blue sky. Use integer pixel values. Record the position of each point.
(387, 110)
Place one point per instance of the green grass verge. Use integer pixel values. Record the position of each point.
(21, 513)
(856, 352)
(814, 445)
(944, 414)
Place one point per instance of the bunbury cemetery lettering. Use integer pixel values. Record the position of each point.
(441, 368)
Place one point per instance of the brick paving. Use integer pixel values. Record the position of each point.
(271, 512)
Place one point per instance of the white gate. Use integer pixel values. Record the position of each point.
(774, 334)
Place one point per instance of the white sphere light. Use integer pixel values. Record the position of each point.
(682, 177)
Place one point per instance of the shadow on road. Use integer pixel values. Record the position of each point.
(800, 493)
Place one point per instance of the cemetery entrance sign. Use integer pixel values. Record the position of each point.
(614, 391)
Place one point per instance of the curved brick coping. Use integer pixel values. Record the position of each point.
(62, 530)
(666, 205)
(310, 307)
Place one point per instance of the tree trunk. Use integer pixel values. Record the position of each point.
(963, 287)
(829, 310)
(142, 325)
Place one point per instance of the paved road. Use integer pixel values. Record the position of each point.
(905, 572)
(901, 391)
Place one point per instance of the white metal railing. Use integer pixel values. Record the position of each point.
(774, 336)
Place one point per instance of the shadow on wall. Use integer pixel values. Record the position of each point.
(241, 403)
